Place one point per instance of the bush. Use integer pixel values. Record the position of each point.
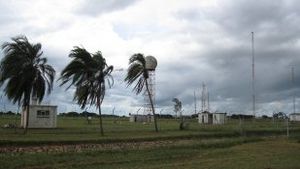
(183, 125)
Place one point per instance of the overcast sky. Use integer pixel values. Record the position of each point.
(194, 41)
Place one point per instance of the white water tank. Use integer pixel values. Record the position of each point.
(151, 62)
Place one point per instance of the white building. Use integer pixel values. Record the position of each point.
(219, 118)
(205, 118)
(40, 116)
(211, 118)
(140, 118)
(295, 117)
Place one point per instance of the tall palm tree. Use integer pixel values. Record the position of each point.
(137, 72)
(88, 73)
(25, 73)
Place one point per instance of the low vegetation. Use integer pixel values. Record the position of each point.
(77, 144)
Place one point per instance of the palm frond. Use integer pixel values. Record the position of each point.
(88, 73)
(24, 71)
(137, 72)
(138, 57)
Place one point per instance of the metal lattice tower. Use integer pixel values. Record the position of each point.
(150, 65)
(208, 101)
(151, 84)
(204, 98)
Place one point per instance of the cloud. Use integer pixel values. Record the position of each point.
(227, 58)
(194, 42)
(96, 7)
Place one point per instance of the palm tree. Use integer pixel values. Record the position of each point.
(88, 73)
(25, 73)
(137, 71)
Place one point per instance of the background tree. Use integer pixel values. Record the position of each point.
(88, 73)
(25, 73)
(178, 111)
(138, 73)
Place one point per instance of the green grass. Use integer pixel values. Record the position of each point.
(77, 129)
(135, 145)
(234, 153)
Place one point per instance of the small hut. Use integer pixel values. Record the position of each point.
(40, 116)
(205, 118)
(219, 118)
(295, 117)
(141, 118)
(211, 118)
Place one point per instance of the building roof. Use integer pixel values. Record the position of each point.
(206, 112)
(295, 114)
(42, 105)
(140, 115)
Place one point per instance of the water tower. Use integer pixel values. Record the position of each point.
(151, 64)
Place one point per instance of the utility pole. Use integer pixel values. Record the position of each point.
(137, 112)
(113, 114)
(293, 85)
(287, 127)
(203, 98)
(208, 101)
(253, 76)
(113, 111)
(195, 102)
(294, 103)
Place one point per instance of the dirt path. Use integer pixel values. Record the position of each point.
(93, 147)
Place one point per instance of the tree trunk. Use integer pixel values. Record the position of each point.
(152, 106)
(26, 117)
(100, 120)
(27, 104)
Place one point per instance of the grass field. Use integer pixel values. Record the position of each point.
(76, 144)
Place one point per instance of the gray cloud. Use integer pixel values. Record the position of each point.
(210, 45)
(96, 7)
(228, 67)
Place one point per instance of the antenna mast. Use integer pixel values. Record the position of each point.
(253, 76)
(207, 101)
(195, 102)
(203, 98)
(293, 83)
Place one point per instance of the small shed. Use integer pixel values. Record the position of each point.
(141, 118)
(211, 118)
(40, 116)
(219, 118)
(295, 117)
(205, 118)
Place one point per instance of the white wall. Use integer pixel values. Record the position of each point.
(40, 120)
(214, 118)
(219, 118)
(141, 118)
(295, 117)
(203, 118)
